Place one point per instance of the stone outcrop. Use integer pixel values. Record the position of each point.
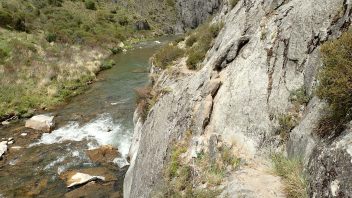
(266, 50)
(191, 13)
(41, 123)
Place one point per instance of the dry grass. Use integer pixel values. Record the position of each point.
(35, 74)
(291, 171)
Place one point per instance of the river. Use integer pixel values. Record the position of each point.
(101, 116)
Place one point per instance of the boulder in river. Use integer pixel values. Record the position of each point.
(3, 148)
(103, 154)
(41, 122)
(82, 178)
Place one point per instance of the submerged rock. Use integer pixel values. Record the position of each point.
(41, 122)
(103, 154)
(3, 148)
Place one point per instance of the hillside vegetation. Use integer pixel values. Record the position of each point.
(51, 49)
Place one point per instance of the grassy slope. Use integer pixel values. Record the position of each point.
(37, 74)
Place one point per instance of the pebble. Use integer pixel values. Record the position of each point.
(10, 142)
(16, 147)
(10, 139)
(23, 134)
(5, 123)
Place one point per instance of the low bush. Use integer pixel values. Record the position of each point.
(299, 96)
(291, 171)
(4, 52)
(194, 57)
(335, 85)
(191, 40)
(200, 41)
(116, 50)
(166, 55)
(286, 124)
(107, 64)
(51, 37)
(90, 4)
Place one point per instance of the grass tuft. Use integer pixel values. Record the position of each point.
(291, 171)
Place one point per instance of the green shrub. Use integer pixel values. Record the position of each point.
(195, 56)
(4, 53)
(216, 28)
(51, 37)
(90, 4)
(56, 2)
(291, 171)
(191, 40)
(108, 64)
(116, 50)
(286, 124)
(179, 39)
(174, 164)
(299, 96)
(200, 42)
(170, 3)
(335, 85)
(166, 55)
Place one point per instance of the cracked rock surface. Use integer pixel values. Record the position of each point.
(266, 50)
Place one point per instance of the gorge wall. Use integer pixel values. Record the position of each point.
(193, 13)
(266, 50)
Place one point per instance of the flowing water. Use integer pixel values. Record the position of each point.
(101, 116)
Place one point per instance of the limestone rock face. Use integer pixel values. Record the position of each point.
(266, 50)
(330, 166)
(41, 122)
(192, 13)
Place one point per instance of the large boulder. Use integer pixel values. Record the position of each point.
(41, 122)
(82, 178)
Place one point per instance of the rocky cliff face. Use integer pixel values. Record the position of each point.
(266, 51)
(193, 13)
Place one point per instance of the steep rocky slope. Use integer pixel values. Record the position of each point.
(193, 13)
(266, 51)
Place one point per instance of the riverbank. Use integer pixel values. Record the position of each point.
(40, 164)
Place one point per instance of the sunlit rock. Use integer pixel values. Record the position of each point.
(41, 123)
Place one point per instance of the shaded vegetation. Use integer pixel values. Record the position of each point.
(291, 171)
(199, 42)
(286, 124)
(166, 55)
(299, 96)
(335, 85)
